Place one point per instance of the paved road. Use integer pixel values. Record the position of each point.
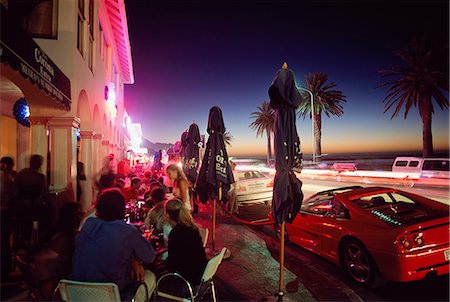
(328, 282)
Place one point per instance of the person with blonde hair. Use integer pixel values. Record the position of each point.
(180, 184)
(186, 252)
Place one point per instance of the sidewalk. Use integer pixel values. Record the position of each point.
(252, 273)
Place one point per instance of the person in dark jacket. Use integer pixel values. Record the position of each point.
(110, 250)
(186, 252)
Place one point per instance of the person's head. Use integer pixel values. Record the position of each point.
(111, 205)
(157, 195)
(6, 164)
(106, 181)
(148, 174)
(136, 183)
(120, 183)
(154, 185)
(154, 175)
(175, 173)
(161, 180)
(177, 213)
(36, 161)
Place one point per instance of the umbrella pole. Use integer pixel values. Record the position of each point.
(213, 241)
(280, 285)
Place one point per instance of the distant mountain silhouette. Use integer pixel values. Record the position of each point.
(152, 147)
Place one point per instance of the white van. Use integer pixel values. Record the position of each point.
(426, 167)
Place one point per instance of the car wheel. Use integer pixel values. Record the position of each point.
(408, 182)
(358, 263)
(277, 228)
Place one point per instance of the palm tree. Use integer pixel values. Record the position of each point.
(264, 122)
(227, 138)
(326, 100)
(422, 78)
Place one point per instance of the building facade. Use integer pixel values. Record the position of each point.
(68, 61)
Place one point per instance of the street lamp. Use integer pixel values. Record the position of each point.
(312, 121)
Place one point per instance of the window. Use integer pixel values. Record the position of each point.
(80, 26)
(401, 163)
(91, 35)
(38, 18)
(102, 44)
(243, 175)
(338, 210)
(375, 200)
(436, 165)
(319, 205)
(413, 163)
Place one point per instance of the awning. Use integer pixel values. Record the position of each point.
(18, 50)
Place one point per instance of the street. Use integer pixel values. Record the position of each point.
(328, 282)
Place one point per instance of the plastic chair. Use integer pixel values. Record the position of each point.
(198, 292)
(204, 233)
(72, 291)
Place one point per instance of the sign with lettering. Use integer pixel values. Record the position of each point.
(19, 50)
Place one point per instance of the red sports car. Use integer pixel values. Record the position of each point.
(375, 231)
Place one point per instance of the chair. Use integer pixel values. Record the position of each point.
(194, 293)
(204, 234)
(71, 290)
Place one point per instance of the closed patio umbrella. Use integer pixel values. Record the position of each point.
(287, 193)
(191, 153)
(215, 175)
(184, 143)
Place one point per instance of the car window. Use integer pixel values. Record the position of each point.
(319, 205)
(374, 200)
(413, 163)
(243, 175)
(338, 210)
(401, 198)
(436, 165)
(401, 163)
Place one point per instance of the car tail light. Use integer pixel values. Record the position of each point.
(405, 243)
(418, 240)
(242, 189)
(269, 184)
(410, 242)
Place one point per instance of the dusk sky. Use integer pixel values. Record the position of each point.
(191, 55)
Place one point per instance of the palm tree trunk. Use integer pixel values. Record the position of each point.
(269, 147)
(426, 114)
(318, 134)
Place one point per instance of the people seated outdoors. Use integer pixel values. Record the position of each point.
(180, 184)
(156, 215)
(186, 254)
(120, 183)
(104, 183)
(110, 250)
(134, 190)
(53, 260)
(161, 182)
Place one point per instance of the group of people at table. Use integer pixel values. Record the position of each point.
(100, 245)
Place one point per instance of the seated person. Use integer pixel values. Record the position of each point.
(133, 191)
(120, 183)
(155, 216)
(53, 261)
(186, 252)
(110, 250)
